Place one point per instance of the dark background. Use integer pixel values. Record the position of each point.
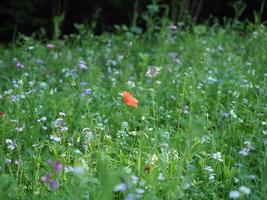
(29, 16)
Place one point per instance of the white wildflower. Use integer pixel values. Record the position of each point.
(19, 129)
(161, 177)
(77, 151)
(55, 138)
(251, 176)
(158, 82)
(205, 139)
(64, 129)
(150, 129)
(208, 168)
(154, 158)
(244, 152)
(234, 194)
(131, 84)
(152, 71)
(68, 169)
(62, 114)
(232, 113)
(42, 119)
(134, 179)
(217, 156)
(78, 170)
(59, 122)
(175, 155)
(139, 191)
(236, 180)
(11, 145)
(18, 162)
(245, 190)
(133, 133)
(7, 161)
(212, 176)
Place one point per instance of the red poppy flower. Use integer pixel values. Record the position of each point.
(129, 99)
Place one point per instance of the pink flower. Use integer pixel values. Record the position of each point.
(57, 166)
(46, 178)
(50, 46)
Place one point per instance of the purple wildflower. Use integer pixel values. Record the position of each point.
(130, 196)
(53, 185)
(57, 166)
(83, 83)
(173, 55)
(86, 92)
(82, 65)
(121, 187)
(175, 59)
(19, 65)
(50, 162)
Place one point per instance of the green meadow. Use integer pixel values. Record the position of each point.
(197, 131)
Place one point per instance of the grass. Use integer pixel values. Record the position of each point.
(199, 131)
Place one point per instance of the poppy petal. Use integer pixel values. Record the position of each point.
(129, 99)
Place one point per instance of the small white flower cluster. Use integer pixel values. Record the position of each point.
(246, 150)
(59, 123)
(154, 159)
(11, 145)
(243, 191)
(18, 162)
(234, 116)
(205, 139)
(55, 138)
(72, 73)
(19, 129)
(152, 71)
(217, 156)
(16, 97)
(42, 120)
(131, 84)
(161, 177)
(132, 188)
(77, 170)
(185, 109)
(175, 155)
(82, 65)
(210, 170)
(88, 137)
(124, 132)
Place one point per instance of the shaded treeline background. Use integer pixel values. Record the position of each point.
(28, 16)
